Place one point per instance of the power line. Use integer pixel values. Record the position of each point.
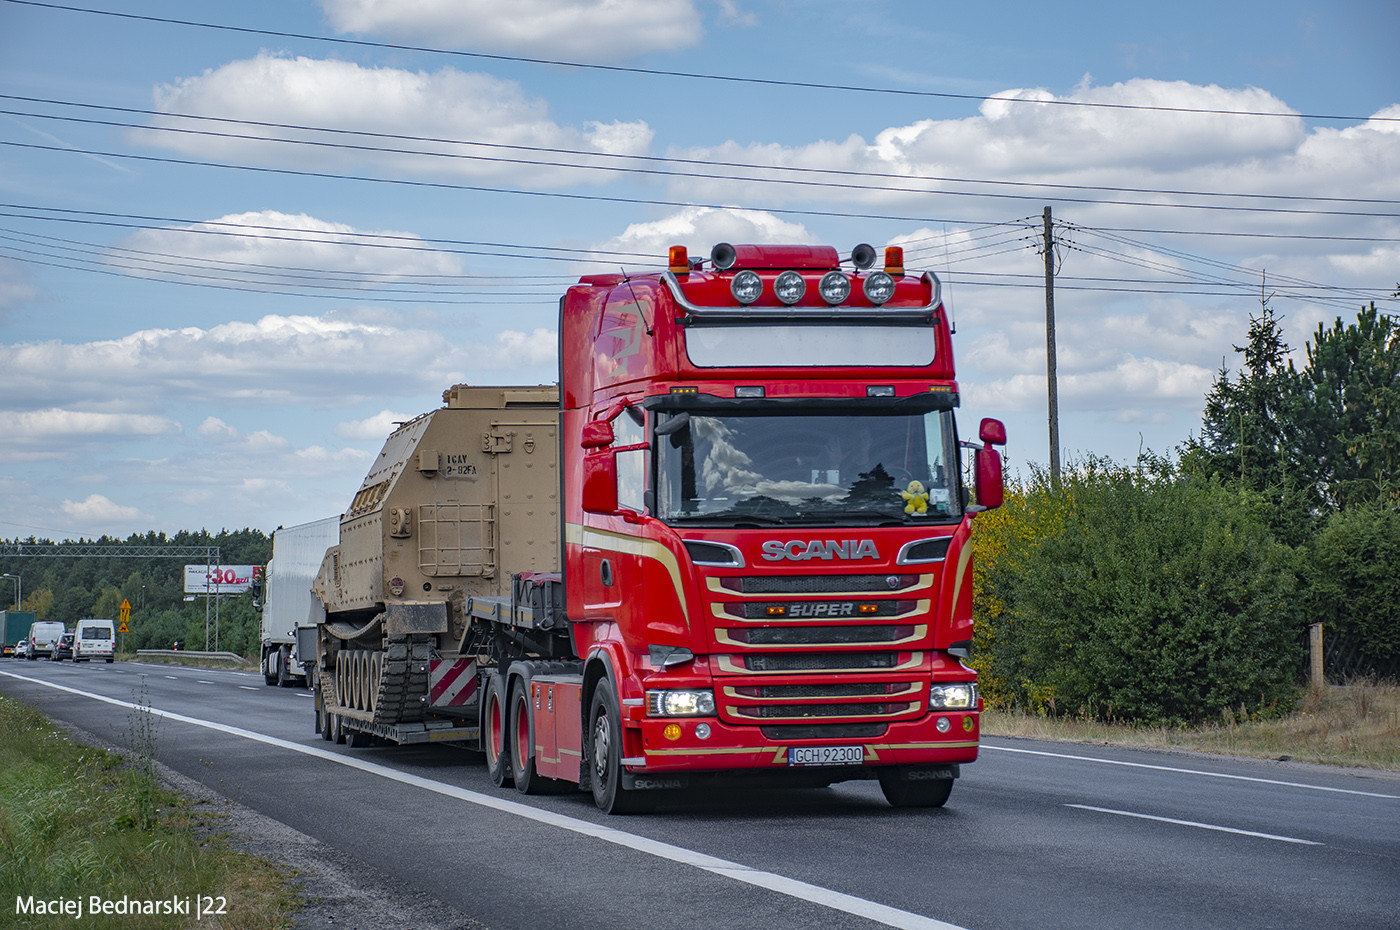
(688, 75)
(646, 159)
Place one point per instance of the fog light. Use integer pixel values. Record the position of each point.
(944, 725)
(702, 730)
(968, 724)
(878, 287)
(672, 731)
(746, 287)
(789, 287)
(834, 287)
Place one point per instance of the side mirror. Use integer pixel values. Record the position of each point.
(993, 432)
(600, 478)
(597, 434)
(989, 482)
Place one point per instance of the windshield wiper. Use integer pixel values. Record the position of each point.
(731, 517)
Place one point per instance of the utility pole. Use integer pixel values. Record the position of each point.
(1054, 395)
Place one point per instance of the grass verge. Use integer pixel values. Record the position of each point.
(1354, 725)
(78, 822)
(240, 665)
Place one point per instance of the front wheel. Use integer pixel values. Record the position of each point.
(605, 755)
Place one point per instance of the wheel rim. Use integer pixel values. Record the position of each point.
(602, 746)
(496, 731)
(521, 745)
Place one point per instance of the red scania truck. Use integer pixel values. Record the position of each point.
(735, 543)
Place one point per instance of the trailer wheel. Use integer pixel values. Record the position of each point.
(901, 792)
(493, 731)
(319, 700)
(337, 728)
(604, 753)
(284, 671)
(269, 676)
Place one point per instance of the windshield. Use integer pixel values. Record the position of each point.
(794, 468)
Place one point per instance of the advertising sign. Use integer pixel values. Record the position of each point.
(220, 579)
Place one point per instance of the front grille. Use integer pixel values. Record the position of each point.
(820, 610)
(818, 584)
(848, 689)
(821, 661)
(799, 711)
(829, 731)
(821, 635)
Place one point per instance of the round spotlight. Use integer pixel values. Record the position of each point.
(943, 724)
(723, 256)
(789, 287)
(878, 287)
(702, 730)
(863, 256)
(746, 287)
(835, 287)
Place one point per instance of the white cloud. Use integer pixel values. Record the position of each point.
(592, 29)
(37, 426)
(375, 427)
(443, 105)
(270, 249)
(700, 228)
(96, 510)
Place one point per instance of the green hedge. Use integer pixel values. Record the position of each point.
(1136, 594)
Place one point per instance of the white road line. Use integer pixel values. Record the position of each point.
(203, 682)
(1201, 826)
(172, 677)
(304, 694)
(1180, 771)
(249, 688)
(836, 900)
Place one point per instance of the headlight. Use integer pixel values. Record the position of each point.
(878, 287)
(959, 695)
(835, 287)
(746, 287)
(789, 287)
(680, 703)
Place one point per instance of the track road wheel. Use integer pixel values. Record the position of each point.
(605, 755)
(901, 791)
(493, 732)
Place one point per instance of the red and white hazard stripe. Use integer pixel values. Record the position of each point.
(451, 682)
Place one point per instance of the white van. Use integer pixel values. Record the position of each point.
(43, 638)
(94, 639)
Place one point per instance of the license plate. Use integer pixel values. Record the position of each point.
(826, 755)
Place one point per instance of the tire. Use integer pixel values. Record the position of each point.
(110, 660)
(319, 700)
(269, 677)
(522, 744)
(901, 792)
(494, 726)
(604, 755)
(284, 674)
(337, 729)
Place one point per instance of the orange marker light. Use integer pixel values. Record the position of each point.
(894, 259)
(680, 260)
(672, 731)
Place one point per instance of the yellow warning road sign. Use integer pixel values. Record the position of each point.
(126, 616)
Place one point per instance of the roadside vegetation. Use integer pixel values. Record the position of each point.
(1347, 725)
(1167, 602)
(76, 821)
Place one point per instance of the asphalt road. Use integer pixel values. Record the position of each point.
(1037, 835)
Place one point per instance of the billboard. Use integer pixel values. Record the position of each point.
(220, 579)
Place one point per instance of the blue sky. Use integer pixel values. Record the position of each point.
(202, 330)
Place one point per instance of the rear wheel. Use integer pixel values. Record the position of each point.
(522, 739)
(493, 731)
(285, 678)
(605, 755)
(270, 668)
(902, 791)
(319, 700)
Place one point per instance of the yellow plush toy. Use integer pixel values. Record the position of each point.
(916, 497)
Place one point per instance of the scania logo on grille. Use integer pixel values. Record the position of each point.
(775, 550)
